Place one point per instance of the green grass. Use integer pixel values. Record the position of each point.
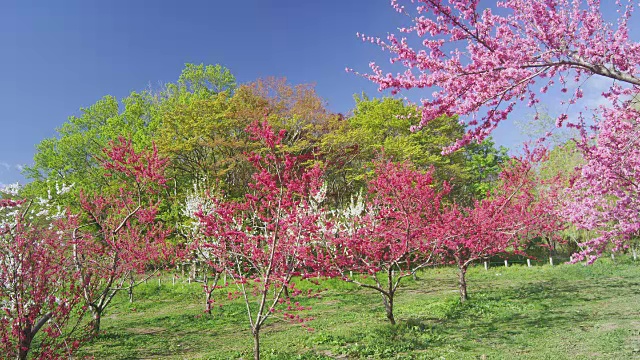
(543, 312)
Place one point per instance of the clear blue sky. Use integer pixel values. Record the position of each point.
(58, 56)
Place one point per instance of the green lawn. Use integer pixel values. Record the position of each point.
(543, 312)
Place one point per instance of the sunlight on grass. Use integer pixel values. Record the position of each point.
(561, 312)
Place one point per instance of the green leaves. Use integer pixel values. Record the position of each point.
(381, 127)
(206, 79)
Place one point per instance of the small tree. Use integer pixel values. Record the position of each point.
(498, 224)
(38, 290)
(123, 236)
(266, 238)
(390, 236)
(197, 203)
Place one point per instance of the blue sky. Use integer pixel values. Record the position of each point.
(60, 56)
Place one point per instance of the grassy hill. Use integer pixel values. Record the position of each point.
(542, 312)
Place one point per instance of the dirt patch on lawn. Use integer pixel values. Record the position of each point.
(608, 326)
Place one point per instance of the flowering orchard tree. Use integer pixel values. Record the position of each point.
(38, 290)
(391, 235)
(605, 196)
(198, 202)
(266, 238)
(123, 236)
(216, 267)
(482, 62)
(498, 224)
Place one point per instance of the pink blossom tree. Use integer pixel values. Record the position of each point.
(604, 197)
(123, 236)
(39, 295)
(499, 224)
(267, 238)
(482, 62)
(391, 235)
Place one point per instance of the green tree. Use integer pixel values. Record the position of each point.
(483, 163)
(382, 126)
(70, 158)
(142, 117)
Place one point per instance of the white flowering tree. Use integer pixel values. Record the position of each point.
(198, 201)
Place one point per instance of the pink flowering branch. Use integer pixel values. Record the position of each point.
(604, 197)
(482, 62)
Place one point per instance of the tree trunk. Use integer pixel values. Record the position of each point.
(392, 320)
(387, 298)
(256, 344)
(463, 283)
(95, 323)
(208, 300)
(131, 283)
(208, 290)
(388, 306)
(24, 345)
(192, 272)
(286, 292)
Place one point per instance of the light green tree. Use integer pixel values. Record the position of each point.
(71, 156)
(381, 127)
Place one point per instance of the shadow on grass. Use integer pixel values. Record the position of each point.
(493, 316)
(541, 305)
(518, 310)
